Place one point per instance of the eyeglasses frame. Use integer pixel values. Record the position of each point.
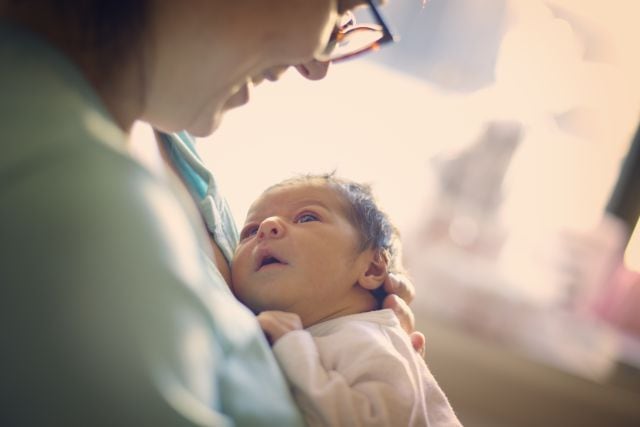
(388, 35)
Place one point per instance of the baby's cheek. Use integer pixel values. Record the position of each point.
(236, 271)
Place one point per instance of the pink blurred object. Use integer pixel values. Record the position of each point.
(620, 301)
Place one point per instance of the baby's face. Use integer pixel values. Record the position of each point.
(298, 252)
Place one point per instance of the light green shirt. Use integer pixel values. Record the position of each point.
(109, 312)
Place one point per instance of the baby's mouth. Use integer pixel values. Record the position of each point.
(269, 260)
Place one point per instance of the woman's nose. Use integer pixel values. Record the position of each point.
(313, 70)
(271, 228)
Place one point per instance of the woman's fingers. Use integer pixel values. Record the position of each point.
(400, 285)
(418, 342)
(407, 321)
(402, 311)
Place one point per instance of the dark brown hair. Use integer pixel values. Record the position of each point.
(105, 27)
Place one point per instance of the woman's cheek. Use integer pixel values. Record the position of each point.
(309, 29)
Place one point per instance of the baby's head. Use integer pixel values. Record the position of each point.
(315, 245)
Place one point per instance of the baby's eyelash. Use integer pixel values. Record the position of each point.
(307, 217)
(248, 231)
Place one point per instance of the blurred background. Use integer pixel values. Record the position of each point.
(498, 136)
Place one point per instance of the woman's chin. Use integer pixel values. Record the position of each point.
(206, 126)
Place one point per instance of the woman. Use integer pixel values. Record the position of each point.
(114, 315)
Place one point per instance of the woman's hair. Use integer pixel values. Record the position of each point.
(374, 227)
(105, 27)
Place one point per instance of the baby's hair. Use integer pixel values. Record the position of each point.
(374, 227)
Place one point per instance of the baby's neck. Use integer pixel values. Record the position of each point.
(358, 301)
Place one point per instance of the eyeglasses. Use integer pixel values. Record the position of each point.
(349, 39)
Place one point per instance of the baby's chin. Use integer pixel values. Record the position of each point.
(258, 305)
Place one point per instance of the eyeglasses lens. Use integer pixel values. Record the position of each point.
(352, 38)
(356, 39)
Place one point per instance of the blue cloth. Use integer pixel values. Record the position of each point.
(174, 142)
(202, 185)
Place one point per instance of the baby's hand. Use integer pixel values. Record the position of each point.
(277, 323)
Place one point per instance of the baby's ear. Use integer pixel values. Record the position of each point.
(376, 271)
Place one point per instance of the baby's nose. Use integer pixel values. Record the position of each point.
(271, 228)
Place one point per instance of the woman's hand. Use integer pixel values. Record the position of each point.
(401, 292)
(275, 324)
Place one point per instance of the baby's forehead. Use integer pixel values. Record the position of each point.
(297, 194)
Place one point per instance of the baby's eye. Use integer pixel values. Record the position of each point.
(307, 217)
(248, 231)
